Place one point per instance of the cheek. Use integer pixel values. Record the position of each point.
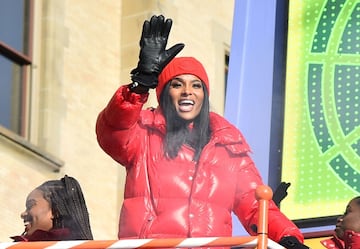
(173, 95)
(200, 99)
(200, 95)
(351, 223)
(174, 99)
(43, 213)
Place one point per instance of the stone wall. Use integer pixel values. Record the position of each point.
(84, 50)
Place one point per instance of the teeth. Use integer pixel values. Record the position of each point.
(26, 223)
(186, 102)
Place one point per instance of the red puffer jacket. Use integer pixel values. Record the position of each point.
(351, 241)
(181, 198)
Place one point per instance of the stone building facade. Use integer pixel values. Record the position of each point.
(82, 51)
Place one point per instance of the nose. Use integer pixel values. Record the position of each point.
(186, 89)
(340, 218)
(23, 214)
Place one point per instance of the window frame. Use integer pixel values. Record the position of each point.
(24, 60)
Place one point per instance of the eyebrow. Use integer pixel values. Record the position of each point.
(180, 79)
(177, 78)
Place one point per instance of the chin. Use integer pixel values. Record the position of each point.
(186, 117)
(339, 233)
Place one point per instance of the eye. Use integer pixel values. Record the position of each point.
(197, 85)
(175, 84)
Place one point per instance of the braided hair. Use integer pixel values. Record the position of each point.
(68, 206)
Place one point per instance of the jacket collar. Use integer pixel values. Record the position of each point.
(41, 235)
(351, 241)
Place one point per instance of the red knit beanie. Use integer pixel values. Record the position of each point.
(181, 65)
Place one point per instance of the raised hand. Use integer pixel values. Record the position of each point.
(153, 55)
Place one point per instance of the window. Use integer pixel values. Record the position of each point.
(15, 61)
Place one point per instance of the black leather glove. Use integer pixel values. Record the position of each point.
(280, 192)
(291, 242)
(153, 57)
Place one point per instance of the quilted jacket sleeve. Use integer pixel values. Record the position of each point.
(246, 205)
(117, 125)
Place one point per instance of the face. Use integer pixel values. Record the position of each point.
(38, 214)
(350, 220)
(187, 95)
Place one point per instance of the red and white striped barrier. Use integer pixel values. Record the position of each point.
(243, 242)
(261, 241)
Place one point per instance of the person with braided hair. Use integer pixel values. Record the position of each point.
(56, 210)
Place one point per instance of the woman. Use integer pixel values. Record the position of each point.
(56, 210)
(347, 231)
(187, 168)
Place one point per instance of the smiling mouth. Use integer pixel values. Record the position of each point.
(27, 225)
(186, 105)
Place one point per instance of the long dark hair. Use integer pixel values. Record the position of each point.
(68, 206)
(177, 129)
